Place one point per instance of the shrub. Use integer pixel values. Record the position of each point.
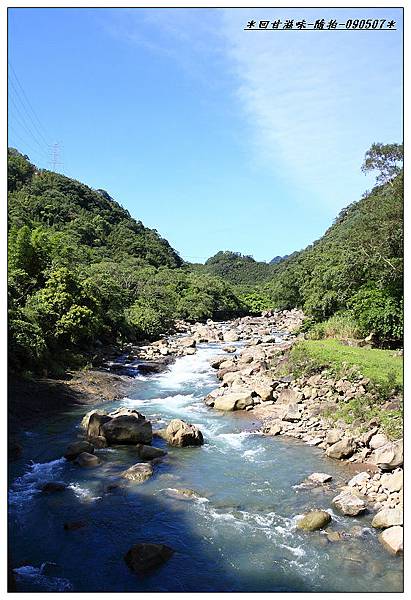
(376, 311)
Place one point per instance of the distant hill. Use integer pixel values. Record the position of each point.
(278, 259)
(238, 269)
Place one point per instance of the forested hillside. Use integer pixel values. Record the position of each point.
(355, 271)
(83, 271)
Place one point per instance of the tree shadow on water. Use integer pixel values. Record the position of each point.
(90, 558)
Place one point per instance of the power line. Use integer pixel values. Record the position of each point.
(41, 126)
(25, 143)
(19, 117)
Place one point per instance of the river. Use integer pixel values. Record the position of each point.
(237, 533)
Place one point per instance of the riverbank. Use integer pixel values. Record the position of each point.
(255, 351)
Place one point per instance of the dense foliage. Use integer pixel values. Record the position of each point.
(83, 271)
(357, 266)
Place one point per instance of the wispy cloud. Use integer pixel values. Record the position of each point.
(313, 101)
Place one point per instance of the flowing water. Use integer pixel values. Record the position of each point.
(237, 533)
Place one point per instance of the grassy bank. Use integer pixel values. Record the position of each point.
(384, 369)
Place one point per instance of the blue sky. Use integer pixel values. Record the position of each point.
(220, 139)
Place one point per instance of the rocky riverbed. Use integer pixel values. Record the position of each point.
(130, 443)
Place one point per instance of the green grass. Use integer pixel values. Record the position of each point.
(382, 367)
(379, 366)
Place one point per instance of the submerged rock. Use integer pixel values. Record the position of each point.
(146, 556)
(181, 434)
(138, 473)
(149, 452)
(316, 519)
(53, 486)
(77, 448)
(87, 460)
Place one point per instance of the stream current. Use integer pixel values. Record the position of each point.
(236, 533)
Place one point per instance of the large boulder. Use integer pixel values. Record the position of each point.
(392, 539)
(138, 473)
(349, 504)
(128, 429)
(181, 434)
(316, 519)
(85, 420)
(96, 420)
(234, 401)
(149, 452)
(390, 456)
(388, 517)
(85, 459)
(146, 556)
(76, 448)
(342, 449)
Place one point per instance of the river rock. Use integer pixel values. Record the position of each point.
(392, 539)
(388, 517)
(377, 441)
(265, 392)
(349, 504)
(292, 413)
(98, 442)
(85, 459)
(393, 482)
(287, 396)
(138, 473)
(96, 420)
(342, 449)
(333, 436)
(216, 361)
(234, 401)
(319, 477)
(230, 336)
(359, 479)
(188, 342)
(53, 486)
(181, 434)
(149, 452)
(145, 556)
(274, 428)
(389, 456)
(230, 349)
(316, 519)
(76, 448)
(128, 429)
(85, 420)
